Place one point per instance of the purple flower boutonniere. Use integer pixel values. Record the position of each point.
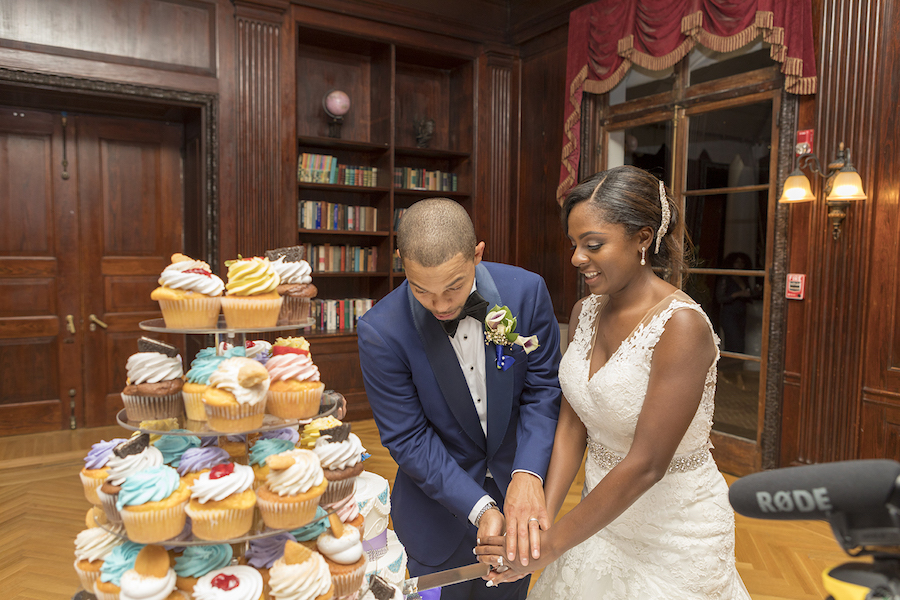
(500, 329)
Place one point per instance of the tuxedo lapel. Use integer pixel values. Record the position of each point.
(499, 383)
(447, 372)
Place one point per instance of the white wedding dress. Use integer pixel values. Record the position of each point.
(675, 541)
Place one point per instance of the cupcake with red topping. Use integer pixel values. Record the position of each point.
(251, 300)
(189, 294)
(222, 501)
(295, 391)
(290, 495)
(95, 469)
(238, 582)
(197, 461)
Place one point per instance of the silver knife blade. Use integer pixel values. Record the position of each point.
(442, 578)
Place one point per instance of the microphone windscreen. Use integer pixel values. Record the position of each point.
(816, 491)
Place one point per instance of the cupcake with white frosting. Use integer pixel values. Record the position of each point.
(340, 453)
(189, 294)
(152, 578)
(236, 397)
(343, 552)
(237, 582)
(154, 382)
(300, 574)
(290, 495)
(92, 546)
(128, 458)
(222, 501)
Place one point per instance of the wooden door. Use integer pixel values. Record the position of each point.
(130, 195)
(40, 372)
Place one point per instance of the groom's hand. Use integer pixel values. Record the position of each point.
(526, 514)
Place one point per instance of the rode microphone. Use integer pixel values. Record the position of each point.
(860, 498)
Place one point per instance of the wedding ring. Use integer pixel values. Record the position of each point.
(533, 519)
(499, 561)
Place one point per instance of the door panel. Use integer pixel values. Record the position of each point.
(38, 357)
(131, 201)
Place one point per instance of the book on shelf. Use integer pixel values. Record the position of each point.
(331, 216)
(398, 214)
(339, 258)
(324, 168)
(339, 315)
(422, 179)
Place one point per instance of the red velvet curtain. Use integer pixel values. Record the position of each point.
(608, 36)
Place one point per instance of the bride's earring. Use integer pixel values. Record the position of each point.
(643, 256)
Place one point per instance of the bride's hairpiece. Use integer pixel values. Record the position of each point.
(666, 215)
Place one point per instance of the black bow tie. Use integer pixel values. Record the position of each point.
(476, 307)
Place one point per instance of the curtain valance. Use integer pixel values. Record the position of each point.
(608, 36)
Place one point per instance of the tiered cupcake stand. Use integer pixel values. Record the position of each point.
(329, 405)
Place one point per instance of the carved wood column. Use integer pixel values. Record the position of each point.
(260, 31)
(498, 134)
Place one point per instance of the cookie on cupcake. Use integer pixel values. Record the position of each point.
(290, 495)
(295, 287)
(154, 382)
(236, 398)
(300, 574)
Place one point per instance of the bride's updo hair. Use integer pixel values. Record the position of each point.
(630, 196)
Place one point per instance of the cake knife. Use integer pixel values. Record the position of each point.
(414, 585)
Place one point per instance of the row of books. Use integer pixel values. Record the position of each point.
(324, 168)
(329, 258)
(331, 216)
(421, 179)
(339, 315)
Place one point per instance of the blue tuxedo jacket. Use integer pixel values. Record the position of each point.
(426, 416)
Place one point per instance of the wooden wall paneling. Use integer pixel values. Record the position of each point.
(259, 170)
(880, 426)
(498, 133)
(337, 357)
(848, 51)
(542, 246)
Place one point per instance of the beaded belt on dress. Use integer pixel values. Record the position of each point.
(608, 459)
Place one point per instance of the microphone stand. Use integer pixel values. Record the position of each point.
(879, 580)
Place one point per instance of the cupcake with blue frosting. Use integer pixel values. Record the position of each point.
(116, 563)
(152, 504)
(197, 561)
(173, 447)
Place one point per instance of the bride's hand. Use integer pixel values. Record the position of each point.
(490, 551)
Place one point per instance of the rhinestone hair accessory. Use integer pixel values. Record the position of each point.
(666, 215)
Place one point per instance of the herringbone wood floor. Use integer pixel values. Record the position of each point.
(42, 509)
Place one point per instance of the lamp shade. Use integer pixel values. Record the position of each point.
(797, 188)
(847, 186)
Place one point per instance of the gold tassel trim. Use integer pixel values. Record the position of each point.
(569, 147)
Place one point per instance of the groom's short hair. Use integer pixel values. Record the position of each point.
(433, 231)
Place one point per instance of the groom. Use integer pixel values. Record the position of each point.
(472, 440)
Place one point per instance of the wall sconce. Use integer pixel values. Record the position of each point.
(843, 185)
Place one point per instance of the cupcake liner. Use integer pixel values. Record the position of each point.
(337, 490)
(87, 578)
(220, 524)
(91, 485)
(301, 404)
(193, 406)
(287, 515)
(345, 583)
(142, 408)
(105, 595)
(108, 502)
(294, 309)
(248, 312)
(236, 417)
(194, 313)
(153, 526)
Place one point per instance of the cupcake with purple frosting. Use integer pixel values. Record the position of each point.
(262, 450)
(196, 461)
(285, 433)
(95, 469)
(262, 554)
(173, 447)
(197, 561)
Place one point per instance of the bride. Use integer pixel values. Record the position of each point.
(638, 379)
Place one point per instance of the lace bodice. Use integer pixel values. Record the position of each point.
(611, 401)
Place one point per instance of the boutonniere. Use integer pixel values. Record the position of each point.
(500, 329)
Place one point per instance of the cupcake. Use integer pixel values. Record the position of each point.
(197, 561)
(285, 433)
(152, 577)
(173, 447)
(347, 510)
(258, 350)
(295, 391)
(196, 380)
(311, 430)
(196, 461)
(95, 471)
(380, 589)
(343, 552)
(308, 534)
(251, 300)
(237, 582)
(129, 457)
(340, 453)
(92, 546)
(222, 501)
(236, 398)
(300, 574)
(263, 552)
(189, 294)
(117, 562)
(262, 450)
(152, 504)
(289, 497)
(295, 287)
(153, 389)
(236, 446)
